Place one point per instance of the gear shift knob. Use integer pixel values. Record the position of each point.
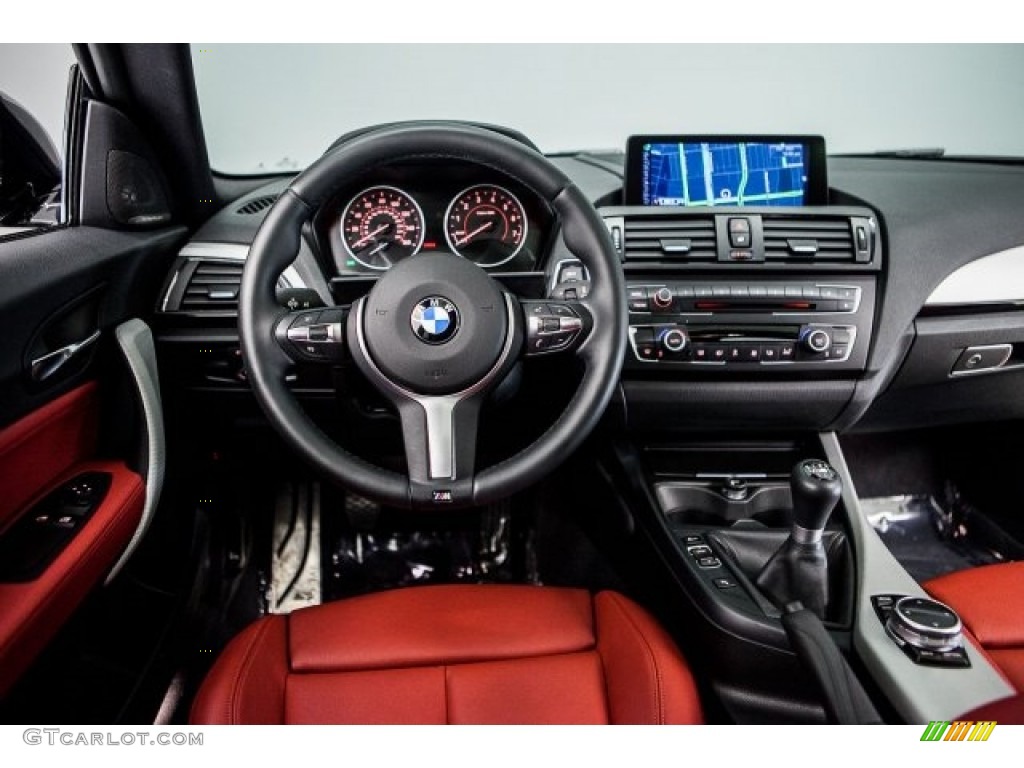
(816, 489)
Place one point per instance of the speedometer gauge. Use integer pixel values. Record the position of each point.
(382, 226)
(486, 224)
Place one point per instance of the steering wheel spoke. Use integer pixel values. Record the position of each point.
(554, 327)
(440, 433)
(313, 335)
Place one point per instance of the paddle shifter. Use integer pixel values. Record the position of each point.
(799, 570)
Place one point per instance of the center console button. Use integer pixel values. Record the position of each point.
(638, 301)
(770, 353)
(775, 291)
(758, 291)
(787, 351)
(701, 353)
(721, 291)
(719, 352)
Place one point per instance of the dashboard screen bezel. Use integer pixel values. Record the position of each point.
(815, 193)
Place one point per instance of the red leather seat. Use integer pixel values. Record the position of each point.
(454, 654)
(989, 600)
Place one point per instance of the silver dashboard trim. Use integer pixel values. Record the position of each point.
(994, 279)
(200, 250)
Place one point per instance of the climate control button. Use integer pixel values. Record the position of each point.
(816, 340)
(673, 340)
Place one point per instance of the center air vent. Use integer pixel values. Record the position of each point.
(665, 239)
(213, 285)
(256, 205)
(819, 239)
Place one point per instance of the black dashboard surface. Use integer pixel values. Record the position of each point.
(934, 215)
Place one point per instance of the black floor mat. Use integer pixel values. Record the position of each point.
(930, 539)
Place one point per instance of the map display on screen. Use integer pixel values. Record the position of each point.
(724, 173)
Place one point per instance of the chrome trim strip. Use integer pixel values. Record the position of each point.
(994, 279)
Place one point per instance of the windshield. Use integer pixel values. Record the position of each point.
(276, 108)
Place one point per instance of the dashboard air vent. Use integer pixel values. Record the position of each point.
(213, 285)
(256, 205)
(818, 239)
(664, 239)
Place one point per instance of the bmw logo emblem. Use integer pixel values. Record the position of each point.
(435, 320)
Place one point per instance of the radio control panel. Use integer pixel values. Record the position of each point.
(750, 326)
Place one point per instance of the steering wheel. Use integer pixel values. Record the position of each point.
(436, 334)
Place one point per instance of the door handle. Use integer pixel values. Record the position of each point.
(46, 366)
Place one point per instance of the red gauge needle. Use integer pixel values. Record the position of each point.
(367, 238)
(466, 238)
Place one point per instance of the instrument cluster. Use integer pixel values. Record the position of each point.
(404, 211)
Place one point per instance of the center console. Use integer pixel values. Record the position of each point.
(797, 296)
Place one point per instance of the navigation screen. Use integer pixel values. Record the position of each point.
(724, 171)
(724, 174)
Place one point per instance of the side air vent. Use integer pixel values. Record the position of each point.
(213, 285)
(664, 239)
(256, 205)
(818, 239)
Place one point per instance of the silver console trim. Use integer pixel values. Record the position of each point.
(919, 693)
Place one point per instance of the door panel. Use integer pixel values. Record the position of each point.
(31, 612)
(41, 447)
(55, 287)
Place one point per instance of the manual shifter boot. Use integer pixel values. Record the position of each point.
(799, 569)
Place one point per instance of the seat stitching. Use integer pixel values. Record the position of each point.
(247, 661)
(447, 716)
(650, 654)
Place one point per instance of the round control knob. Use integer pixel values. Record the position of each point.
(736, 489)
(817, 340)
(674, 340)
(662, 298)
(925, 624)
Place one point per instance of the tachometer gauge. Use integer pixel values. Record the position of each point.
(382, 226)
(486, 224)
